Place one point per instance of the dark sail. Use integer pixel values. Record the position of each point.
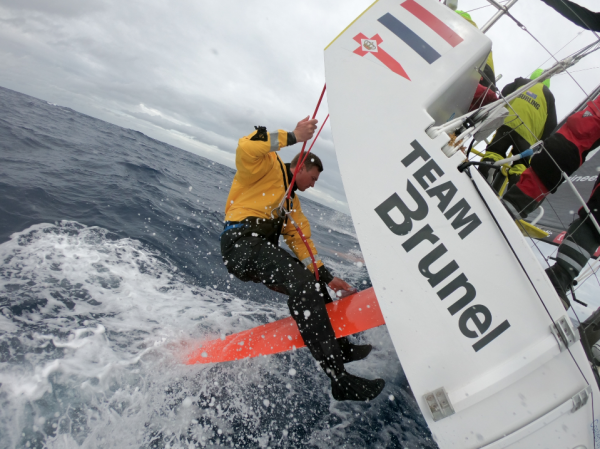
(577, 14)
(560, 209)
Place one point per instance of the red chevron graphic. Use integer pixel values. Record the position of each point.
(379, 53)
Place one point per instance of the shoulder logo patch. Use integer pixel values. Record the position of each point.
(587, 114)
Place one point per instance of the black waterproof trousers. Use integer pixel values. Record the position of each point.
(505, 138)
(253, 254)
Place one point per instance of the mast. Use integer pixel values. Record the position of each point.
(502, 9)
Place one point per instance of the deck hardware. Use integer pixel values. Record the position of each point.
(439, 404)
(581, 398)
(564, 333)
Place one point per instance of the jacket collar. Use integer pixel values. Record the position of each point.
(290, 175)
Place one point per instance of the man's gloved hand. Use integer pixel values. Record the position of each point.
(305, 129)
(341, 287)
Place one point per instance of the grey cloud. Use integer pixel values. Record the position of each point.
(208, 137)
(67, 8)
(219, 67)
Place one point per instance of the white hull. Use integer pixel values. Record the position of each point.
(469, 309)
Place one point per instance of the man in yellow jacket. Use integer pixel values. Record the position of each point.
(251, 252)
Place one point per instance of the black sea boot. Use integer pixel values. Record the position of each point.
(352, 352)
(519, 204)
(561, 281)
(345, 386)
(579, 244)
(308, 309)
(590, 328)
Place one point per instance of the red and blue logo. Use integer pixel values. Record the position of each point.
(409, 37)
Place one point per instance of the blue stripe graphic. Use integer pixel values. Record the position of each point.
(409, 37)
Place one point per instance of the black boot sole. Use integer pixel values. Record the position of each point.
(356, 389)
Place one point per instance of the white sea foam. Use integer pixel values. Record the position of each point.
(125, 328)
(95, 327)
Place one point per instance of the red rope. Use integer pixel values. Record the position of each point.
(324, 121)
(319, 102)
(301, 160)
(312, 257)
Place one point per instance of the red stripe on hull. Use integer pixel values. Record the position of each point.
(440, 28)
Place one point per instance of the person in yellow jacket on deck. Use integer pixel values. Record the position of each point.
(489, 80)
(251, 251)
(531, 117)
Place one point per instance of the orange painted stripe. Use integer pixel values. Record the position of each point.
(355, 313)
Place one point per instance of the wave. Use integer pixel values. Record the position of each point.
(111, 272)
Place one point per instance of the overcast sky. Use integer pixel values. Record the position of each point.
(200, 74)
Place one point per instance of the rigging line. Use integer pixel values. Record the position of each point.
(556, 52)
(533, 240)
(584, 204)
(558, 184)
(476, 111)
(315, 139)
(507, 104)
(588, 263)
(548, 51)
(484, 111)
(288, 194)
(522, 267)
(487, 6)
(522, 122)
(281, 208)
(594, 274)
(582, 70)
(542, 45)
(537, 247)
(588, 350)
(524, 28)
(595, 268)
(591, 267)
(557, 216)
(553, 160)
(585, 51)
(582, 201)
(538, 140)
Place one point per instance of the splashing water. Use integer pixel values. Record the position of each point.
(92, 333)
(111, 272)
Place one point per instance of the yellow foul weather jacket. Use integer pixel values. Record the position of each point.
(489, 63)
(258, 187)
(533, 113)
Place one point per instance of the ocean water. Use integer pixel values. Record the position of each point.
(110, 268)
